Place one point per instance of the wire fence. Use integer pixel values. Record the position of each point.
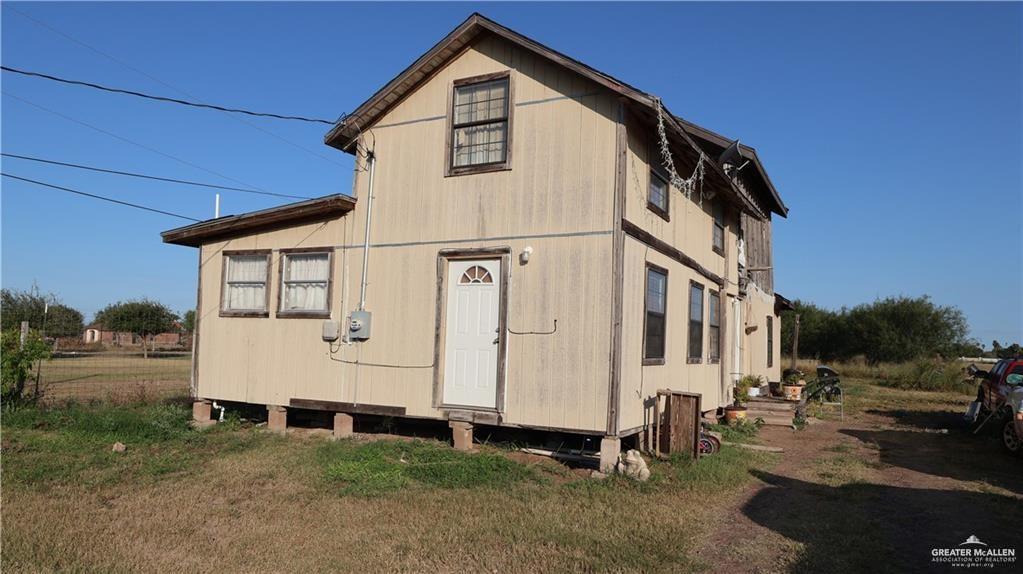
(118, 374)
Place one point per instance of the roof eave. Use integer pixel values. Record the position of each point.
(212, 229)
(344, 135)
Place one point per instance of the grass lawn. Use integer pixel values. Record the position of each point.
(875, 492)
(258, 501)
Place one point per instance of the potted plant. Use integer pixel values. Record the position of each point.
(792, 386)
(740, 393)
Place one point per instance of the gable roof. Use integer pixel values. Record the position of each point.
(289, 214)
(345, 133)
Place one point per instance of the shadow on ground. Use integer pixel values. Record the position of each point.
(862, 527)
(957, 454)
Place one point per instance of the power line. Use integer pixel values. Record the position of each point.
(124, 64)
(94, 196)
(153, 177)
(132, 142)
(163, 98)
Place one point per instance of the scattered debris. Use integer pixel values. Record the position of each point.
(586, 458)
(119, 447)
(632, 465)
(755, 447)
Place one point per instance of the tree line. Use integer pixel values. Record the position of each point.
(893, 329)
(47, 314)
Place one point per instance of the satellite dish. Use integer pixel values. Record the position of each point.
(731, 155)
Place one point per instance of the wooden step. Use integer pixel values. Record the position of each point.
(772, 419)
(774, 405)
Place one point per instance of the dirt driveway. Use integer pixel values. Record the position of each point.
(876, 492)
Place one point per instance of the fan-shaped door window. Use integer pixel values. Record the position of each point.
(476, 275)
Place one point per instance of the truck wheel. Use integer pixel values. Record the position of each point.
(1010, 440)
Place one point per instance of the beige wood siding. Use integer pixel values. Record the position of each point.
(760, 305)
(690, 230)
(640, 382)
(556, 198)
(264, 360)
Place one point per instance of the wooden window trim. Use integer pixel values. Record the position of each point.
(449, 159)
(223, 282)
(723, 226)
(711, 359)
(303, 314)
(646, 286)
(665, 213)
(689, 326)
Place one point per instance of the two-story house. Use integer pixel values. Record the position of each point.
(517, 251)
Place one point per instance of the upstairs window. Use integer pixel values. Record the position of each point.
(246, 277)
(657, 194)
(480, 123)
(714, 326)
(719, 228)
(305, 284)
(695, 323)
(655, 323)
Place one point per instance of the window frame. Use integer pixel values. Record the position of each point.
(719, 224)
(770, 341)
(714, 352)
(646, 289)
(304, 313)
(225, 263)
(449, 148)
(698, 358)
(664, 213)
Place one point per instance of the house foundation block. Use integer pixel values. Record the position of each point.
(461, 434)
(610, 448)
(277, 418)
(202, 413)
(343, 425)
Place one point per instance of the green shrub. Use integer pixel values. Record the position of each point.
(926, 375)
(17, 361)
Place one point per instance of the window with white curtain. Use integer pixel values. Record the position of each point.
(245, 283)
(480, 119)
(305, 283)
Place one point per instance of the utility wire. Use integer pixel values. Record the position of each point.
(94, 196)
(162, 83)
(153, 177)
(163, 98)
(126, 140)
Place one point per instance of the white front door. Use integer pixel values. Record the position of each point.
(470, 359)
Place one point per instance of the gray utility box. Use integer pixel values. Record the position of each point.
(359, 325)
(331, 331)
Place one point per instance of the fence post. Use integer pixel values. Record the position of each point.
(795, 342)
(24, 334)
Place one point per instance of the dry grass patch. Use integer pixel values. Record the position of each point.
(245, 501)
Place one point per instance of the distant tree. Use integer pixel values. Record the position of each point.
(903, 328)
(188, 321)
(43, 312)
(892, 329)
(999, 352)
(143, 317)
(822, 333)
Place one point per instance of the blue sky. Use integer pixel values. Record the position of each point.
(893, 132)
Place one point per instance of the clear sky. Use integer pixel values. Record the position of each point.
(893, 132)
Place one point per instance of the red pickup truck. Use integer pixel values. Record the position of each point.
(1001, 391)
